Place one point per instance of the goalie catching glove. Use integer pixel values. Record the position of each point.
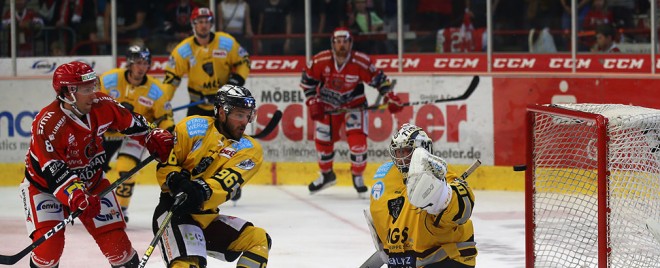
(426, 184)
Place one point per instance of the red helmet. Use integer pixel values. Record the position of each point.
(201, 12)
(341, 32)
(72, 74)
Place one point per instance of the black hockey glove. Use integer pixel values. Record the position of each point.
(197, 190)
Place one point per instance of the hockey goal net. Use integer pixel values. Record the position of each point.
(592, 179)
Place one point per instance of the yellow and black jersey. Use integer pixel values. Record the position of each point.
(410, 234)
(224, 164)
(208, 67)
(149, 99)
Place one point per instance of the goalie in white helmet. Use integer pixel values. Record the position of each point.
(420, 209)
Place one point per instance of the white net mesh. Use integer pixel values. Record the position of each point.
(565, 200)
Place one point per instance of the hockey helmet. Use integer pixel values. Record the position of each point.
(234, 96)
(200, 12)
(404, 142)
(137, 52)
(341, 32)
(71, 75)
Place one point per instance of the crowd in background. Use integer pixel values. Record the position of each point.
(276, 27)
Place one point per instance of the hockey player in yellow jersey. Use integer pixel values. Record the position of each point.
(211, 160)
(140, 93)
(420, 210)
(210, 59)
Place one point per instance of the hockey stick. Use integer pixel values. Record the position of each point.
(178, 200)
(473, 85)
(188, 105)
(13, 259)
(270, 126)
(375, 260)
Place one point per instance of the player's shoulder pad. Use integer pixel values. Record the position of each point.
(50, 120)
(155, 90)
(362, 60)
(195, 126)
(184, 49)
(383, 170)
(225, 41)
(325, 55)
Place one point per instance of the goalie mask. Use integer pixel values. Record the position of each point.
(404, 143)
(233, 96)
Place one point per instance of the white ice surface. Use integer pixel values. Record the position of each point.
(327, 229)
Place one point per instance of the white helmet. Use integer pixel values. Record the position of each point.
(404, 143)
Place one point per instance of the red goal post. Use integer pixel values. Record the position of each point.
(592, 179)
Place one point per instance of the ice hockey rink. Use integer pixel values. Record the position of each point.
(327, 229)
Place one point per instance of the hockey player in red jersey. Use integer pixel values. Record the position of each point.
(333, 79)
(63, 166)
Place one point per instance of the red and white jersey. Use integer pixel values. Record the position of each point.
(338, 86)
(65, 147)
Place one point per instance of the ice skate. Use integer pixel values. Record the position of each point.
(358, 184)
(326, 180)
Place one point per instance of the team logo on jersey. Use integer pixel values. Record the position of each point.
(242, 52)
(91, 149)
(246, 164)
(394, 206)
(219, 53)
(208, 68)
(377, 190)
(202, 166)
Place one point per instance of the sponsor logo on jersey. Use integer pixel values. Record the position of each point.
(242, 52)
(102, 129)
(109, 213)
(242, 144)
(246, 164)
(49, 206)
(58, 126)
(351, 78)
(196, 127)
(394, 207)
(219, 53)
(383, 170)
(227, 152)
(377, 190)
(114, 93)
(43, 121)
(146, 101)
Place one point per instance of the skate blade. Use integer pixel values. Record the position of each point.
(324, 187)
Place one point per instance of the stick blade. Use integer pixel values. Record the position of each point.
(272, 124)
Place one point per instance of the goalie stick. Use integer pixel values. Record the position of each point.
(13, 259)
(178, 200)
(470, 89)
(376, 259)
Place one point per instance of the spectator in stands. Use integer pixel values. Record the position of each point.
(332, 14)
(366, 21)
(83, 22)
(28, 24)
(622, 12)
(275, 18)
(582, 8)
(599, 14)
(176, 25)
(234, 18)
(605, 40)
(131, 17)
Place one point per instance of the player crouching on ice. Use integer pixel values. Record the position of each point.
(420, 210)
(211, 160)
(63, 166)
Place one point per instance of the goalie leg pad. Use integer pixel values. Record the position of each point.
(427, 192)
